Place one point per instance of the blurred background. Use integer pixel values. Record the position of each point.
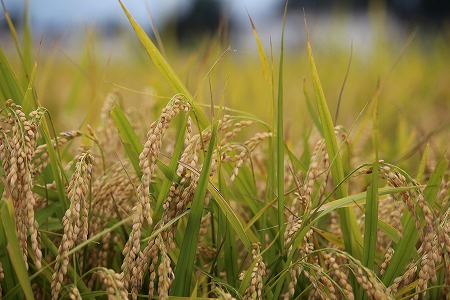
(191, 19)
(88, 49)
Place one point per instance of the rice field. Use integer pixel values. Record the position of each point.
(216, 174)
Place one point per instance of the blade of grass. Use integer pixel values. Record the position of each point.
(185, 265)
(29, 100)
(352, 236)
(359, 199)
(403, 251)
(279, 143)
(229, 245)
(371, 214)
(164, 68)
(262, 54)
(279, 159)
(128, 136)
(423, 164)
(15, 36)
(8, 281)
(9, 85)
(247, 278)
(246, 237)
(311, 109)
(7, 213)
(434, 183)
(55, 165)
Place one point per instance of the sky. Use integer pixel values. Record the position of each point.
(61, 13)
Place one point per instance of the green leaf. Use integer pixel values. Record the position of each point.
(9, 281)
(423, 164)
(164, 68)
(350, 229)
(30, 102)
(15, 253)
(55, 165)
(128, 136)
(183, 273)
(311, 108)
(371, 214)
(9, 85)
(225, 232)
(434, 183)
(245, 236)
(247, 278)
(279, 143)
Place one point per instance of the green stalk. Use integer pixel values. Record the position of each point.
(280, 142)
(352, 236)
(185, 265)
(371, 220)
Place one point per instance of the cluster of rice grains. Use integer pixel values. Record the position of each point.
(137, 258)
(18, 138)
(75, 220)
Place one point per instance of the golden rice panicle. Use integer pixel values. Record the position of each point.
(443, 195)
(444, 239)
(254, 290)
(108, 139)
(150, 260)
(75, 223)
(340, 277)
(155, 257)
(74, 293)
(112, 193)
(150, 153)
(221, 294)
(147, 162)
(301, 204)
(369, 282)
(431, 253)
(18, 138)
(165, 272)
(114, 284)
(294, 272)
(248, 146)
(387, 260)
(226, 123)
(42, 159)
(406, 278)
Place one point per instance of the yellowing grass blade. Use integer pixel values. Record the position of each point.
(163, 66)
(246, 237)
(262, 54)
(350, 229)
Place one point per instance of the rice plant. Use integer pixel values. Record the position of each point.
(192, 198)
